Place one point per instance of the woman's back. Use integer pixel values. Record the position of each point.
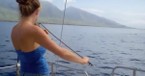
(29, 52)
(22, 37)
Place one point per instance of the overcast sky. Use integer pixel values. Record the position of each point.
(127, 12)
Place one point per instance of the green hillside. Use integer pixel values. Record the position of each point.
(51, 14)
(6, 14)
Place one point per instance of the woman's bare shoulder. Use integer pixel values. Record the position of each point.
(36, 30)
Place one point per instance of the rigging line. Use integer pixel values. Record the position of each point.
(63, 42)
(64, 14)
(61, 34)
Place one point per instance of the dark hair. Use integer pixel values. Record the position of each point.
(27, 7)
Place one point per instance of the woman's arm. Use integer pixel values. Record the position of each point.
(44, 40)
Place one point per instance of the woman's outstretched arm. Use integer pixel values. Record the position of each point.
(44, 40)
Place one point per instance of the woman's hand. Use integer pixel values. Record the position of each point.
(85, 60)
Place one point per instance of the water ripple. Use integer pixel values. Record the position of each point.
(64, 62)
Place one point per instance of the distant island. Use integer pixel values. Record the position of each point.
(53, 15)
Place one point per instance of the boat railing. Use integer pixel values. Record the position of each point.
(53, 72)
(134, 70)
(86, 73)
(53, 65)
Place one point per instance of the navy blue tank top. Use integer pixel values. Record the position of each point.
(33, 62)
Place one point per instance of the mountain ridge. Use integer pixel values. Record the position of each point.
(52, 14)
(93, 19)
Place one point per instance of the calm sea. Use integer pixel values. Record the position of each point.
(106, 47)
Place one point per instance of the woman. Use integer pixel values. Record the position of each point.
(30, 40)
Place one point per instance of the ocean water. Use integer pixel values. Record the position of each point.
(106, 48)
